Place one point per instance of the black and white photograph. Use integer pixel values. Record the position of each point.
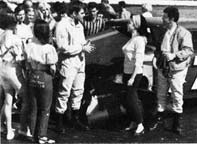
(98, 71)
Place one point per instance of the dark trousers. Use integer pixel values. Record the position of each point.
(133, 107)
(40, 94)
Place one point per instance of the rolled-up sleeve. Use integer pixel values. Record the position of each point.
(52, 56)
(186, 46)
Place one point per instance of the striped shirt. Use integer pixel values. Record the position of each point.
(92, 27)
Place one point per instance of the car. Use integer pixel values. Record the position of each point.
(109, 54)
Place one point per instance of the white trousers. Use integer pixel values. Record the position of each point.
(175, 84)
(71, 86)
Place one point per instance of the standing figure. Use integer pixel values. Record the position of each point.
(41, 58)
(146, 10)
(72, 46)
(124, 13)
(10, 56)
(93, 23)
(134, 51)
(176, 51)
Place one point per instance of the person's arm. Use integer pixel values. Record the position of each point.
(186, 47)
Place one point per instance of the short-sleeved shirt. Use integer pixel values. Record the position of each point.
(39, 53)
(11, 48)
(24, 32)
(134, 54)
(125, 14)
(92, 27)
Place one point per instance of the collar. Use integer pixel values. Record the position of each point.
(72, 22)
(172, 29)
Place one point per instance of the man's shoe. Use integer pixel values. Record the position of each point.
(176, 126)
(78, 123)
(59, 125)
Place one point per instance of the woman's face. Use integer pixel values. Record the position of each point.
(30, 16)
(20, 16)
(130, 26)
(45, 11)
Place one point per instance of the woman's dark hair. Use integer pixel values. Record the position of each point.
(142, 30)
(7, 21)
(122, 4)
(19, 8)
(172, 12)
(42, 31)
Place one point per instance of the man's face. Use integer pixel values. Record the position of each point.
(20, 17)
(93, 12)
(166, 20)
(80, 15)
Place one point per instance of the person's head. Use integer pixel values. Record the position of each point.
(44, 9)
(76, 11)
(62, 9)
(8, 22)
(147, 7)
(30, 15)
(170, 15)
(20, 13)
(122, 4)
(42, 31)
(138, 23)
(93, 9)
(27, 4)
(105, 2)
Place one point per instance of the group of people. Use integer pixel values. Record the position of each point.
(37, 45)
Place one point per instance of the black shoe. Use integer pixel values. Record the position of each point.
(176, 126)
(78, 123)
(59, 125)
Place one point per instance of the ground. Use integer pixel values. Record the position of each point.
(109, 134)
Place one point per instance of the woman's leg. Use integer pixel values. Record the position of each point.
(8, 114)
(133, 104)
(44, 101)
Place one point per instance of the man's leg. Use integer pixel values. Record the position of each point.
(65, 85)
(77, 94)
(177, 82)
(162, 90)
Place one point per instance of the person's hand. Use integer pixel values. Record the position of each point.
(89, 47)
(169, 56)
(130, 82)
